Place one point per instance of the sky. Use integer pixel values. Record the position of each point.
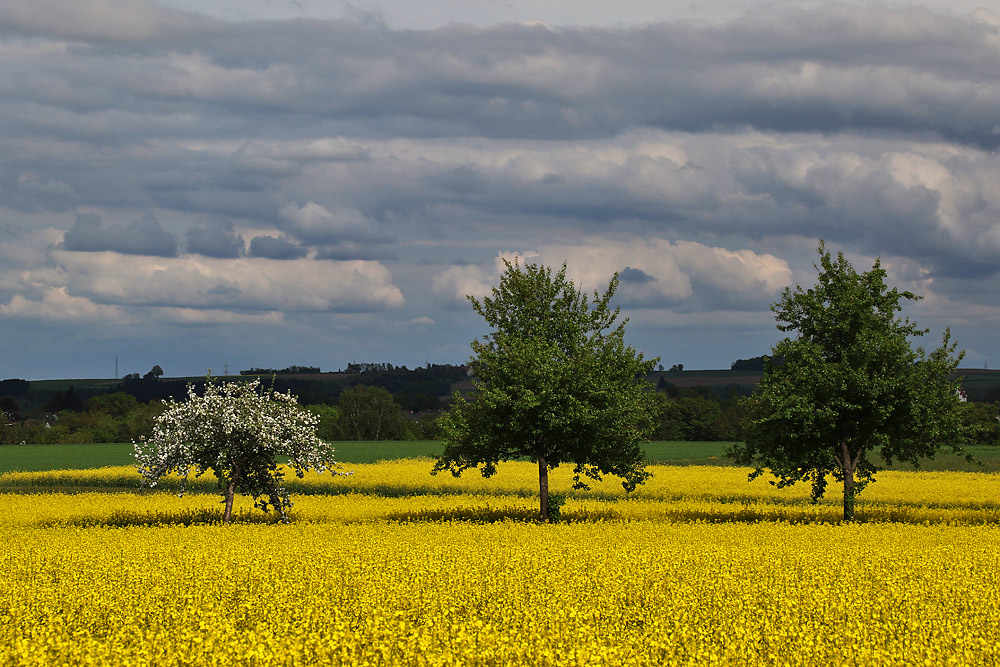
(207, 185)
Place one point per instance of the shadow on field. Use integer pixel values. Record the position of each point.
(750, 513)
(195, 517)
(490, 514)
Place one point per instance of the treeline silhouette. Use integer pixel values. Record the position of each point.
(120, 412)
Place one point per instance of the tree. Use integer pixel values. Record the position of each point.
(61, 401)
(555, 382)
(154, 373)
(326, 424)
(983, 422)
(369, 413)
(850, 385)
(10, 410)
(118, 404)
(751, 364)
(236, 430)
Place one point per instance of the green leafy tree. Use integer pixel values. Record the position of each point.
(555, 382)
(326, 427)
(117, 405)
(141, 421)
(237, 430)
(849, 386)
(369, 413)
(983, 422)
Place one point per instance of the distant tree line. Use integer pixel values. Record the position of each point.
(698, 414)
(116, 417)
(751, 364)
(370, 367)
(127, 411)
(381, 403)
(291, 370)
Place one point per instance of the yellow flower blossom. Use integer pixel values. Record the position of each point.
(394, 567)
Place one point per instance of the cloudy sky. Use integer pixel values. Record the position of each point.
(203, 185)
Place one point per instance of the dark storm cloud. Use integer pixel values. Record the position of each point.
(244, 120)
(314, 224)
(831, 70)
(271, 247)
(145, 236)
(631, 275)
(464, 179)
(214, 241)
(357, 145)
(349, 250)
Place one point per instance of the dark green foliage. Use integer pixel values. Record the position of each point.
(433, 380)
(139, 422)
(554, 504)
(696, 414)
(84, 427)
(327, 429)
(983, 422)
(751, 364)
(14, 387)
(369, 413)
(555, 382)
(291, 370)
(426, 427)
(851, 386)
(64, 400)
(10, 411)
(669, 388)
(151, 388)
(418, 402)
(687, 417)
(117, 405)
(369, 367)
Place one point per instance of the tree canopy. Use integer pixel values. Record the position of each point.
(849, 385)
(235, 429)
(555, 382)
(370, 413)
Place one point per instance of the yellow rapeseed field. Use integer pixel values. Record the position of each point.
(393, 567)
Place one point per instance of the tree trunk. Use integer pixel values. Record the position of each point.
(543, 487)
(848, 496)
(230, 494)
(848, 467)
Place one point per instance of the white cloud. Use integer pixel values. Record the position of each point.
(681, 272)
(56, 304)
(230, 284)
(26, 247)
(332, 149)
(873, 127)
(213, 316)
(512, 257)
(111, 20)
(283, 158)
(453, 285)
(316, 224)
(653, 273)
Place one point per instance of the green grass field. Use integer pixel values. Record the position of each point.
(82, 457)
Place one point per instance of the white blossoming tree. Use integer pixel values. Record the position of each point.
(236, 429)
